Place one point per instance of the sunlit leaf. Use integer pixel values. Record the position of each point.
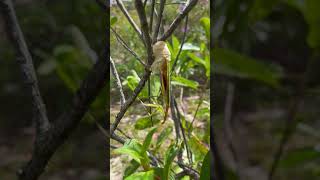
(205, 168)
(178, 80)
(145, 122)
(149, 175)
(131, 148)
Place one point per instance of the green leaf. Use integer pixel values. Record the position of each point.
(231, 63)
(170, 155)
(190, 47)
(71, 65)
(205, 168)
(133, 166)
(113, 20)
(299, 157)
(149, 175)
(131, 148)
(178, 80)
(162, 137)
(148, 139)
(205, 62)
(198, 148)
(145, 122)
(205, 22)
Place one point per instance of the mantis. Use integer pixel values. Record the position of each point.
(162, 58)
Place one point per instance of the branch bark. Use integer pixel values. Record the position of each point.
(129, 18)
(116, 75)
(26, 65)
(61, 128)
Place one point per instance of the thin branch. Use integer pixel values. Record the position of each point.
(125, 45)
(26, 65)
(175, 106)
(289, 129)
(182, 43)
(199, 104)
(177, 20)
(129, 18)
(157, 28)
(151, 16)
(45, 147)
(116, 75)
(145, 29)
(129, 101)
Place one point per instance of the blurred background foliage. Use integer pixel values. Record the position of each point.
(266, 56)
(65, 38)
(189, 80)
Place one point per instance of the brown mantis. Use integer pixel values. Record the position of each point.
(162, 58)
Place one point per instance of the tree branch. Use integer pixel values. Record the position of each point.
(157, 28)
(125, 45)
(116, 75)
(128, 103)
(129, 18)
(145, 29)
(26, 65)
(177, 20)
(61, 128)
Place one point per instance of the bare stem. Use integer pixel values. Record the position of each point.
(26, 65)
(116, 75)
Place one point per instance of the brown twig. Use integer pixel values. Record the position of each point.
(26, 66)
(177, 20)
(125, 45)
(157, 28)
(129, 18)
(116, 75)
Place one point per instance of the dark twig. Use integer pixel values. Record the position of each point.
(181, 46)
(157, 28)
(45, 147)
(289, 128)
(145, 30)
(199, 104)
(175, 106)
(125, 45)
(178, 19)
(116, 75)
(129, 18)
(227, 122)
(151, 16)
(26, 65)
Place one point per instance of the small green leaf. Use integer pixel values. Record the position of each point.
(131, 148)
(205, 168)
(149, 175)
(148, 139)
(163, 136)
(113, 20)
(198, 148)
(205, 22)
(178, 80)
(170, 155)
(133, 166)
(145, 122)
